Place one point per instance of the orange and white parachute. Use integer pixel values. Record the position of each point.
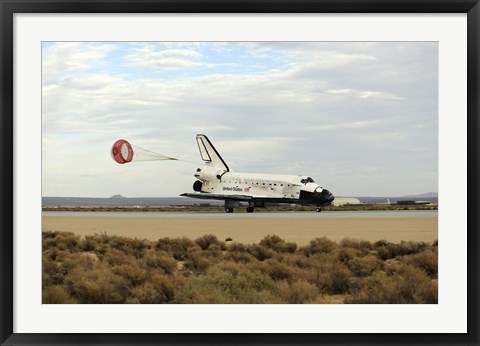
(124, 152)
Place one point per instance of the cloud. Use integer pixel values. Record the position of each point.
(154, 57)
(332, 59)
(347, 125)
(365, 94)
(60, 60)
(330, 110)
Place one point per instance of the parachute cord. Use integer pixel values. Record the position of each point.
(195, 163)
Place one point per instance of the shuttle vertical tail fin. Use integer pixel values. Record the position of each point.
(209, 154)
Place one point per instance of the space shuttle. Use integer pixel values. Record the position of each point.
(215, 181)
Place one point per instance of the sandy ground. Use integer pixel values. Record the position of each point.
(299, 230)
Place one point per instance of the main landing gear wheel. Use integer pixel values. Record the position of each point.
(319, 210)
(250, 209)
(229, 210)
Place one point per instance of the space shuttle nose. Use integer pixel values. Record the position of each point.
(327, 196)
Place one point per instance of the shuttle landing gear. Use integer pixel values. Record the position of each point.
(229, 205)
(250, 209)
(319, 210)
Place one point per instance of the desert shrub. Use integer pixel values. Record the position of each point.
(416, 286)
(237, 247)
(297, 292)
(132, 272)
(116, 242)
(116, 257)
(208, 240)
(66, 262)
(199, 290)
(386, 250)
(239, 257)
(97, 243)
(371, 290)
(345, 254)
(143, 294)
(89, 244)
(56, 295)
(48, 243)
(380, 243)
(401, 285)
(297, 260)
(277, 270)
(214, 251)
(54, 270)
(102, 238)
(261, 253)
(223, 287)
(86, 258)
(166, 286)
(67, 241)
(49, 234)
(131, 246)
(329, 274)
(426, 261)
(330, 299)
(160, 260)
(319, 245)
(362, 245)
(50, 254)
(197, 262)
(101, 249)
(150, 293)
(97, 286)
(337, 280)
(179, 247)
(363, 266)
(50, 273)
(277, 244)
(411, 247)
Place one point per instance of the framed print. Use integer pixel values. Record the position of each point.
(355, 222)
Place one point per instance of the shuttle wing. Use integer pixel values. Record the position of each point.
(219, 196)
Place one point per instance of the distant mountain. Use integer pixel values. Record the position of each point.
(423, 195)
(118, 196)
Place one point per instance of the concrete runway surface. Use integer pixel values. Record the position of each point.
(299, 227)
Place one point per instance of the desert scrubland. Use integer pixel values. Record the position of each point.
(111, 269)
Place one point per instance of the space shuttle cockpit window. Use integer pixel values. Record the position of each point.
(307, 180)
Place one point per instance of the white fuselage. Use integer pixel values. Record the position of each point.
(286, 187)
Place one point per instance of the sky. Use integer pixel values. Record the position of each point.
(360, 118)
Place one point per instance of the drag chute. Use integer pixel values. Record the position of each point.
(124, 152)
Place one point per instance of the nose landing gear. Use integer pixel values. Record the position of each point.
(250, 209)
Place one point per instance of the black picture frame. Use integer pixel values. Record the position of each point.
(9, 7)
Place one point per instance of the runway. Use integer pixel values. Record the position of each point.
(299, 227)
